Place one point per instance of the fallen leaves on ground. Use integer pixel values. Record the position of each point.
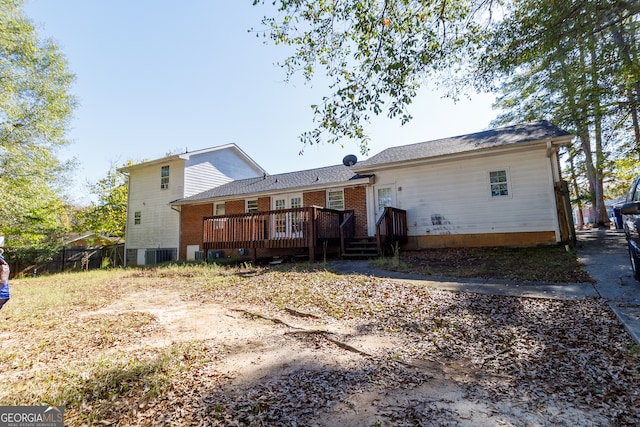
(450, 358)
(533, 351)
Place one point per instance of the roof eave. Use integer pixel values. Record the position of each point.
(555, 141)
(350, 183)
(186, 156)
(127, 169)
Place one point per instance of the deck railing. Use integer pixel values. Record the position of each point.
(391, 228)
(284, 228)
(308, 227)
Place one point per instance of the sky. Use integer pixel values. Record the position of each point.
(155, 77)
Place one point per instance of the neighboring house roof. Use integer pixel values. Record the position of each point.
(83, 238)
(308, 179)
(518, 134)
(187, 155)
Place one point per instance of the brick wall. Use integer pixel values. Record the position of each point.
(234, 207)
(356, 199)
(264, 204)
(314, 198)
(191, 216)
(191, 226)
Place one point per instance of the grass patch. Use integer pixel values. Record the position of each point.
(547, 264)
(392, 264)
(94, 389)
(64, 345)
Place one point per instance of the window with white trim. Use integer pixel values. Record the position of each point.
(219, 223)
(499, 182)
(295, 202)
(296, 217)
(164, 177)
(251, 206)
(385, 197)
(137, 217)
(335, 199)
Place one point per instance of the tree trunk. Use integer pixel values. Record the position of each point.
(602, 218)
(576, 191)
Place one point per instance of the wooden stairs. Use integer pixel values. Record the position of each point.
(361, 247)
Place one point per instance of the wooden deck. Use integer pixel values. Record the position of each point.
(310, 228)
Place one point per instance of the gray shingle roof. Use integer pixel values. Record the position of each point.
(334, 175)
(321, 177)
(526, 132)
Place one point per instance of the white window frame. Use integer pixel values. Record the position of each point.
(287, 224)
(286, 201)
(341, 199)
(497, 188)
(219, 210)
(391, 200)
(137, 217)
(253, 208)
(164, 178)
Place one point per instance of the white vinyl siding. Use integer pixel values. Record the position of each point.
(159, 225)
(190, 173)
(453, 197)
(208, 170)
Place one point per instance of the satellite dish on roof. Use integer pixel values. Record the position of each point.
(349, 160)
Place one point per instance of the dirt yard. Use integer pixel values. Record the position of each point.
(294, 368)
(329, 350)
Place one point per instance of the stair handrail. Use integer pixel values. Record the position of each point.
(347, 229)
(391, 227)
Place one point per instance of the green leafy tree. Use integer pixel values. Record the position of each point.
(571, 62)
(35, 109)
(625, 171)
(375, 54)
(107, 216)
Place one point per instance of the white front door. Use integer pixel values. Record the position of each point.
(288, 224)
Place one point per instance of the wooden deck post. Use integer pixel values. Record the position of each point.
(311, 234)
